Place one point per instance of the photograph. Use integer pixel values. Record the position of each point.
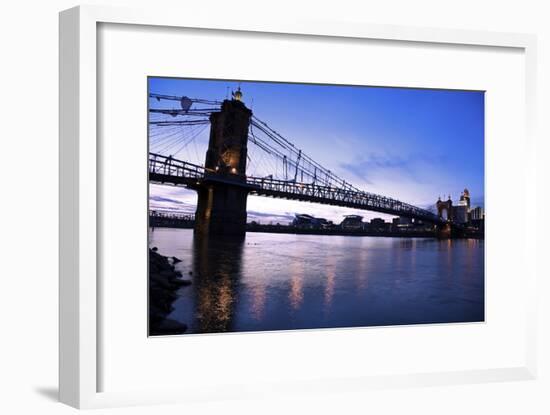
(297, 206)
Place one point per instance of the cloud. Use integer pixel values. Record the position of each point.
(266, 214)
(265, 217)
(172, 199)
(165, 199)
(373, 166)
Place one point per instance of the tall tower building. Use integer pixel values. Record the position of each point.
(465, 199)
(462, 210)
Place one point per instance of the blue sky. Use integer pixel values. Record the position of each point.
(410, 144)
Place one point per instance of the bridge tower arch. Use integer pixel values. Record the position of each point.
(445, 209)
(221, 206)
(445, 212)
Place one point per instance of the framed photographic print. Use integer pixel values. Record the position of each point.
(305, 191)
(269, 236)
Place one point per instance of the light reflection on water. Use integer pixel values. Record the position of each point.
(280, 282)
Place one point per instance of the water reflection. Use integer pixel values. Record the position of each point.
(258, 301)
(217, 265)
(296, 294)
(281, 282)
(330, 269)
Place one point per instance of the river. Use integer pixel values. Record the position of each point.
(286, 281)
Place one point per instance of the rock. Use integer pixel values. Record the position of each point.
(156, 315)
(164, 281)
(167, 273)
(177, 283)
(153, 267)
(168, 326)
(160, 281)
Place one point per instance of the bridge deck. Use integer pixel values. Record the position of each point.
(164, 169)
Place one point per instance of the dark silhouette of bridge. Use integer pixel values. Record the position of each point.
(165, 169)
(223, 183)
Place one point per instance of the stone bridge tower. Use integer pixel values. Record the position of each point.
(445, 209)
(221, 206)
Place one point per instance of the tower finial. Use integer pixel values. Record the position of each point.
(238, 95)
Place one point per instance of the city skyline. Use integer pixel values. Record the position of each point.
(414, 145)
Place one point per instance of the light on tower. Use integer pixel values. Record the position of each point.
(238, 95)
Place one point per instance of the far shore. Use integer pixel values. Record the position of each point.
(286, 229)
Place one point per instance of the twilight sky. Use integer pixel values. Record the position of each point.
(410, 144)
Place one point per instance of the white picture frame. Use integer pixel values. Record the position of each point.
(79, 360)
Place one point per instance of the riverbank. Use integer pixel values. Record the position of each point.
(288, 229)
(164, 282)
(410, 233)
(339, 232)
(250, 227)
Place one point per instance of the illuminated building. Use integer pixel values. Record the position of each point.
(462, 210)
(477, 214)
(352, 222)
(304, 221)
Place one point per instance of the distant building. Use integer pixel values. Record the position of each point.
(170, 219)
(477, 213)
(460, 214)
(377, 222)
(405, 222)
(462, 210)
(421, 225)
(401, 223)
(304, 221)
(465, 199)
(477, 218)
(379, 225)
(352, 222)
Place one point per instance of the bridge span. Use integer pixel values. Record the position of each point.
(226, 179)
(167, 170)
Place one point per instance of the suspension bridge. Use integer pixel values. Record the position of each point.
(245, 156)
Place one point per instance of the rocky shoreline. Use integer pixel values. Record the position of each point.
(164, 282)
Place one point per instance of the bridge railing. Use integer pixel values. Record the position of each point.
(168, 166)
(344, 196)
